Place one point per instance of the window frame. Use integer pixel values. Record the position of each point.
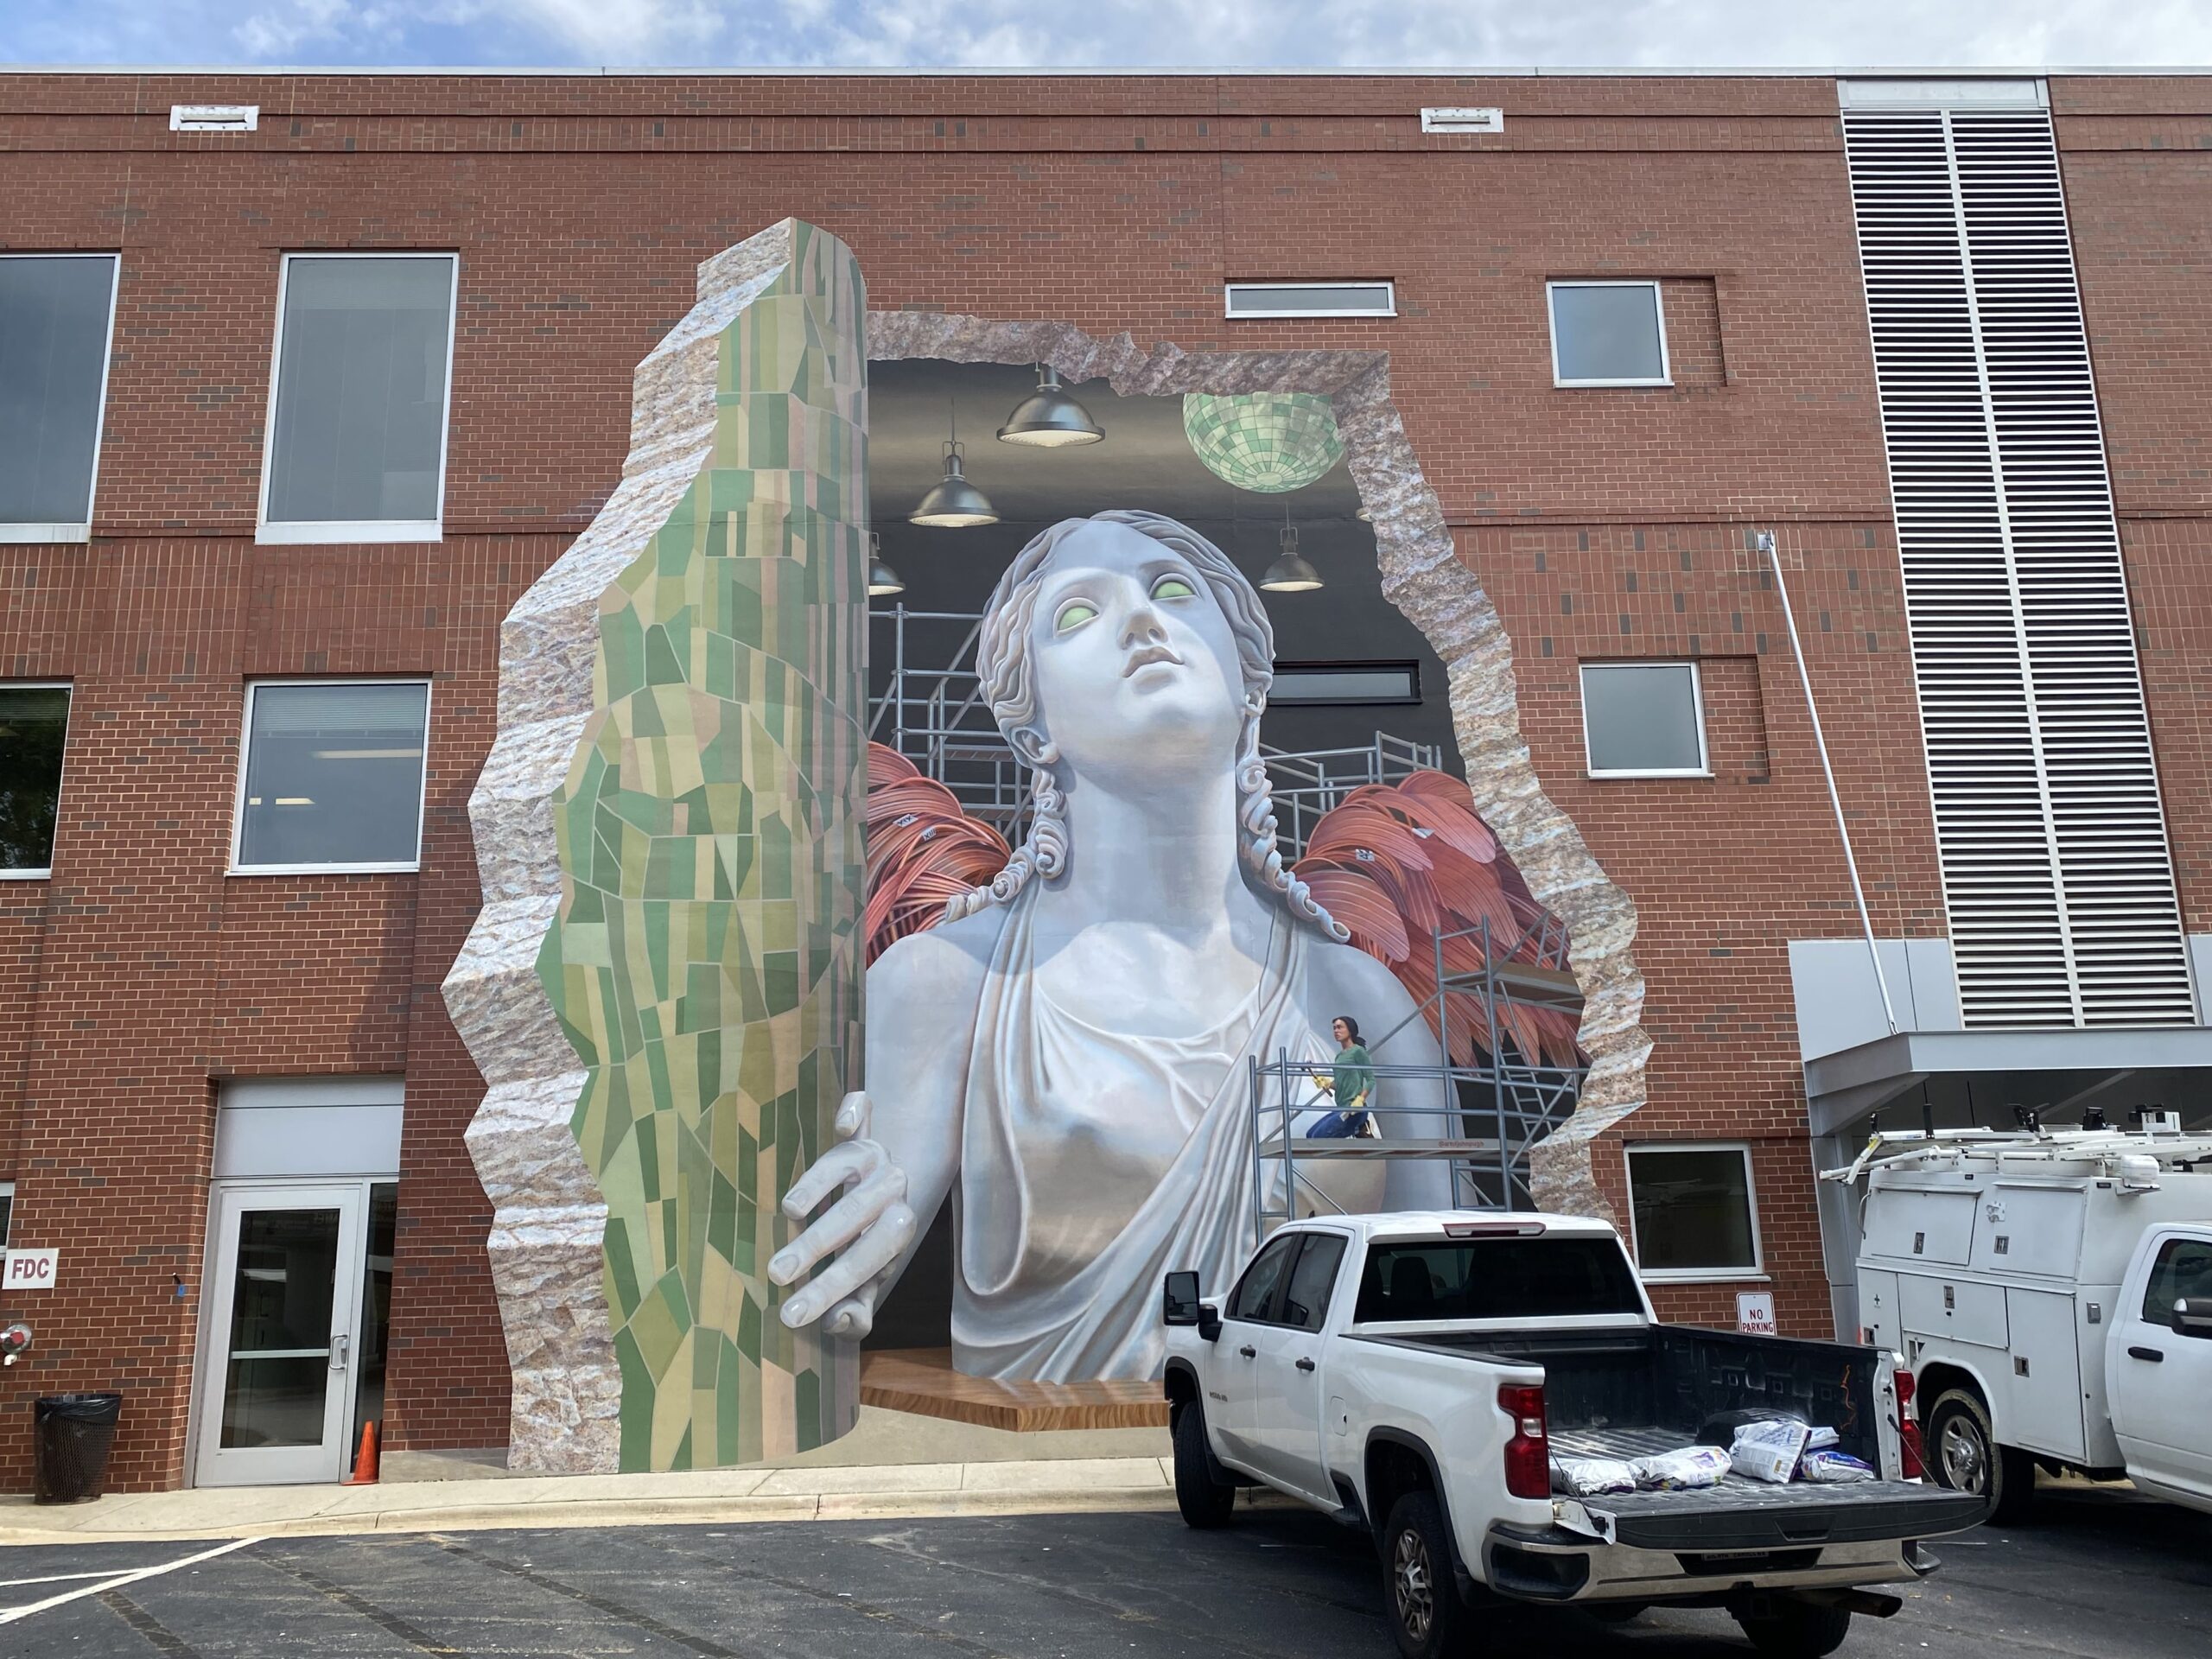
(6, 1211)
(59, 782)
(1658, 316)
(245, 757)
(1590, 767)
(1291, 1244)
(1756, 1273)
(17, 534)
(338, 531)
(1230, 291)
(1323, 1236)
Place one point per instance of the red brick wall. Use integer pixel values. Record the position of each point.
(1605, 522)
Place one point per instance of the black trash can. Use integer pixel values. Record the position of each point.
(69, 1451)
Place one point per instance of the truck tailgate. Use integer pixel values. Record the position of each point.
(1757, 1515)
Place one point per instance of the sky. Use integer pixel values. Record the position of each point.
(1196, 34)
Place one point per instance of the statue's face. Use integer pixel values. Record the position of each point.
(1135, 667)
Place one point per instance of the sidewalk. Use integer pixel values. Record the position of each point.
(867, 1476)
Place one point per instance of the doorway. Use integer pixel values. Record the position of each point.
(302, 1219)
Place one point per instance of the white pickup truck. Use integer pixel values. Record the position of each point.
(1413, 1375)
(2051, 1290)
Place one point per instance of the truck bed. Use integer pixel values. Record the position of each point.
(1631, 1392)
(1742, 1514)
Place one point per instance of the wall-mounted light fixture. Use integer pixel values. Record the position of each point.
(1050, 418)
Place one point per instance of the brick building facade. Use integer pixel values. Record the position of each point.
(140, 978)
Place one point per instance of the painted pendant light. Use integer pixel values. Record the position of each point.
(1050, 418)
(1291, 573)
(953, 503)
(882, 580)
(1268, 442)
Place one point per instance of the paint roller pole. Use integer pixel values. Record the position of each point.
(1766, 545)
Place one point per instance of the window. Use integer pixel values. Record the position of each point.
(1310, 300)
(1693, 1211)
(2184, 1269)
(57, 314)
(356, 409)
(1256, 1291)
(333, 776)
(33, 727)
(1306, 1301)
(1607, 334)
(1326, 683)
(1494, 1278)
(6, 1210)
(1643, 719)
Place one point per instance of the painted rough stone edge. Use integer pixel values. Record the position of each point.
(549, 1223)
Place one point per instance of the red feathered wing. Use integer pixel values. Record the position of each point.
(923, 848)
(1399, 864)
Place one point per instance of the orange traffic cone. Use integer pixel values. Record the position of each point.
(365, 1461)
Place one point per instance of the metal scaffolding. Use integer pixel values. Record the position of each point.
(933, 712)
(1497, 1110)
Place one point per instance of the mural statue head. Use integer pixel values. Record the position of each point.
(1155, 652)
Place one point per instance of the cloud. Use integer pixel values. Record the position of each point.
(1626, 34)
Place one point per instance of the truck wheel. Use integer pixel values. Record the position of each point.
(1426, 1615)
(1204, 1499)
(1963, 1455)
(1787, 1629)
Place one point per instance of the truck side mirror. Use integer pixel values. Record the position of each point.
(1180, 1304)
(1178, 1299)
(2193, 1317)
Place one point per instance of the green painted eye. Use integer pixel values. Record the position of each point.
(1074, 615)
(1173, 587)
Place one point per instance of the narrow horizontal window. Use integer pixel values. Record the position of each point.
(1693, 1210)
(33, 731)
(357, 424)
(1311, 299)
(1642, 720)
(1297, 682)
(333, 775)
(56, 315)
(1607, 334)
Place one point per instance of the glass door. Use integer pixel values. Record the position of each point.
(276, 1387)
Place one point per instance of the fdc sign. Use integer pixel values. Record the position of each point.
(32, 1269)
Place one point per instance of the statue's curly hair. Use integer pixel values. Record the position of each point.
(1008, 683)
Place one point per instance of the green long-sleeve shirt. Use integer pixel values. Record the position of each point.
(1355, 1079)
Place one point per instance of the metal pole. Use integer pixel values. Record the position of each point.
(1289, 1157)
(1766, 545)
(1497, 1071)
(1259, 1195)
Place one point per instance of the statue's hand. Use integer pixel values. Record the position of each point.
(867, 1229)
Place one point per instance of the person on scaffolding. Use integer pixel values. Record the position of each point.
(1352, 1087)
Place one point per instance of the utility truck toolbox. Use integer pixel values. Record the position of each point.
(2051, 1290)
(1432, 1379)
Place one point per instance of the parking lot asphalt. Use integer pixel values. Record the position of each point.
(2101, 1572)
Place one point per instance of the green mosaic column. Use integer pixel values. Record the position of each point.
(706, 958)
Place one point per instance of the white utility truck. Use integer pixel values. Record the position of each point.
(2051, 1291)
(1413, 1375)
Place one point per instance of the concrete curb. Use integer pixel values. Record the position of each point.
(1058, 1486)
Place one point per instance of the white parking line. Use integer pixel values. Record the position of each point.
(113, 1581)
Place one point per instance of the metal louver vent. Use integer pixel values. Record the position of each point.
(2047, 820)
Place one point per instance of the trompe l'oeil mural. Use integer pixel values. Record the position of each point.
(715, 1164)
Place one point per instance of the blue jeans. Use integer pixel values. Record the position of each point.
(1338, 1126)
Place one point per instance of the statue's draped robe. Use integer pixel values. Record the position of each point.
(1093, 1162)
